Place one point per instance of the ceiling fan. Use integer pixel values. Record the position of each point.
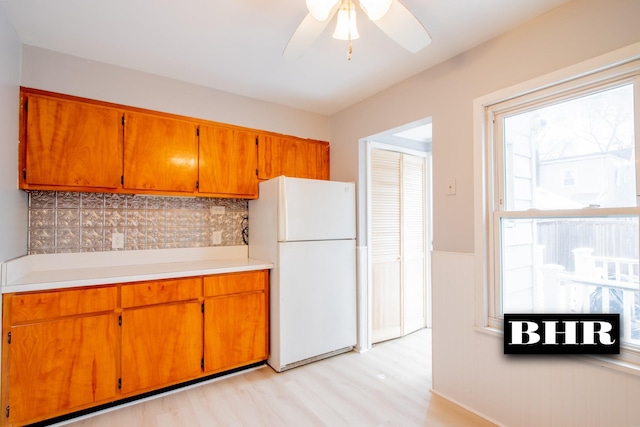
(394, 19)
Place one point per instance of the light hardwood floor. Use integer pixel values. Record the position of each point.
(386, 386)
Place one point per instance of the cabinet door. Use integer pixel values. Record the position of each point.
(276, 156)
(293, 157)
(227, 162)
(59, 365)
(72, 144)
(160, 153)
(236, 331)
(161, 345)
(312, 160)
(323, 161)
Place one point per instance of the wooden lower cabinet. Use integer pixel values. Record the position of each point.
(235, 318)
(69, 350)
(61, 365)
(236, 331)
(60, 352)
(161, 345)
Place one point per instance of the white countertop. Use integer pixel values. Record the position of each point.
(55, 271)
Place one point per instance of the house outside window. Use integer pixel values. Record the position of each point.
(555, 243)
(569, 177)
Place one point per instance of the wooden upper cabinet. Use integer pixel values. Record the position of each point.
(71, 144)
(312, 160)
(228, 161)
(292, 157)
(160, 153)
(276, 156)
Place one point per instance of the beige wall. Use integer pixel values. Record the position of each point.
(13, 203)
(468, 365)
(579, 30)
(57, 72)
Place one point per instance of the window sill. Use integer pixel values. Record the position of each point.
(608, 362)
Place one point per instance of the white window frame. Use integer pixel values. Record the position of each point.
(607, 70)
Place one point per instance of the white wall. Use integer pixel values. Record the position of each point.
(13, 202)
(468, 366)
(58, 72)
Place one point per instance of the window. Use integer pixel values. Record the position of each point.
(562, 205)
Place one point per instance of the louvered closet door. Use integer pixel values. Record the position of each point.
(413, 243)
(385, 244)
(398, 221)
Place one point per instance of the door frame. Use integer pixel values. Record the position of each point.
(365, 269)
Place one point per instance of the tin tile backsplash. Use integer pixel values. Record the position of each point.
(85, 222)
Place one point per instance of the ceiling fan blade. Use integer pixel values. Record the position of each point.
(404, 28)
(306, 33)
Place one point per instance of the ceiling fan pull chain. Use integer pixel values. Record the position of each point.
(349, 51)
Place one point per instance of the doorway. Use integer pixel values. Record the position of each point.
(398, 188)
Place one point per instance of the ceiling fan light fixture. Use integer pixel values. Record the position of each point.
(346, 28)
(375, 9)
(320, 9)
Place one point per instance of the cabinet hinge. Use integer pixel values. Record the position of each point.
(197, 131)
(123, 120)
(119, 383)
(8, 337)
(120, 320)
(121, 179)
(202, 363)
(202, 307)
(6, 412)
(256, 140)
(24, 173)
(26, 105)
(256, 171)
(197, 185)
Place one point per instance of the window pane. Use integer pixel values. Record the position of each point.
(572, 265)
(572, 154)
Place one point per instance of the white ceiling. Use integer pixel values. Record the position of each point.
(236, 45)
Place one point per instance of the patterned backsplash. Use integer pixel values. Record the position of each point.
(85, 222)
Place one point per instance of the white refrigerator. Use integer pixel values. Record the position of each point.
(307, 228)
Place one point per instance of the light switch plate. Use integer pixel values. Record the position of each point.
(217, 210)
(117, 241)
(451, 187)
(216, 237)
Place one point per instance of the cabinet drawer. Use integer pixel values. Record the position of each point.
(46, 305)
(161, 291)
(234, 283)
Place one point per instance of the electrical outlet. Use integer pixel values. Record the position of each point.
(217, 210)
(117, 241)
(216, 236)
